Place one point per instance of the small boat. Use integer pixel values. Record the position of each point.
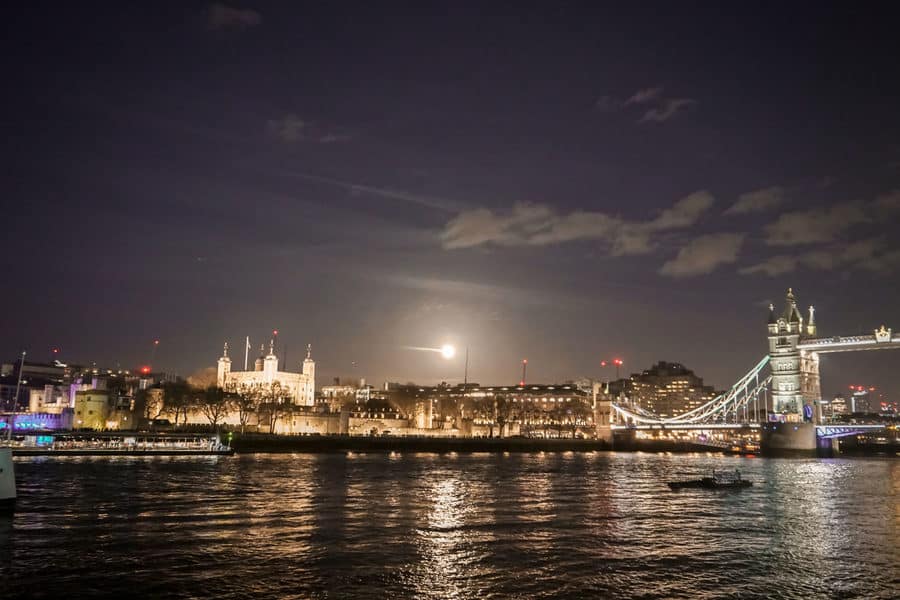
(719, 480)
(7, 482)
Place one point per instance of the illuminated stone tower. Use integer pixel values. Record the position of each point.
(308, 394)
(784, 358)
(270, 364)
(224, 367)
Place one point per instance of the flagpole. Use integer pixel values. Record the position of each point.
(11, 419)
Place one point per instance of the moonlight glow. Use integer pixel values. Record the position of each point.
(448, 351)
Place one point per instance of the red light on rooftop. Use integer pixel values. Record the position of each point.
(524, 361)
(274, 332)
(618, 362)
(156, 342)
(145, 369)
(56, 351)
(602, 363)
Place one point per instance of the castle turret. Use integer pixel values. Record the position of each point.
(258, 364)
(308, 393)
(270, 364)
(224, 367)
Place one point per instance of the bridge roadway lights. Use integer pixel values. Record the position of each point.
(781, 439)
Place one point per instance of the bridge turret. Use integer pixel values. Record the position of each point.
(791, 315)
(811, 324)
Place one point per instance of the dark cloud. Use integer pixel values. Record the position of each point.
(757, 201)
(540, 225)
(668, 109)
(815, 225)
(644, 96)
(226, 17)
(704, 254)
(871, 254)
(290, 129)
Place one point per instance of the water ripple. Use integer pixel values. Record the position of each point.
(554, 525)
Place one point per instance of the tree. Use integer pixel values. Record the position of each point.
(177, 398)
(273, 405)
(246, 399)
(214, 402)
(503, 408)
(149, 402)
(580, 415)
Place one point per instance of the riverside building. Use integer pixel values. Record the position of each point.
(298, 388)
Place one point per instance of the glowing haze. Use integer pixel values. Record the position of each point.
(563, 182)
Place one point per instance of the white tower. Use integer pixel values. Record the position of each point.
(270, 364)
(224, 367)
(308, 393)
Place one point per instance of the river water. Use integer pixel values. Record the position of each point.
(554, 525)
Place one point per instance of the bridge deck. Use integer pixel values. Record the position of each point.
(848, 343)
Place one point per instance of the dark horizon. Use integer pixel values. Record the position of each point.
(564, 184)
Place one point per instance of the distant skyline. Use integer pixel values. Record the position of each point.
(562, 183)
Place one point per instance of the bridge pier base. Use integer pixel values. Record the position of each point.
(787, 439)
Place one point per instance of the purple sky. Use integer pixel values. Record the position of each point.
(555, 181)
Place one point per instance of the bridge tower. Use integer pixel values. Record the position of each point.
(795, 381)
(784, 357)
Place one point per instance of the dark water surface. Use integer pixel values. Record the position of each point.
(450, 526)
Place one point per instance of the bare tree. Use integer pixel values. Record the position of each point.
(214, 404)
(177, 398)
(273, 406)
(246, 399)
(149, 403)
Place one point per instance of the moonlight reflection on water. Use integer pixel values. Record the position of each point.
(459, 526)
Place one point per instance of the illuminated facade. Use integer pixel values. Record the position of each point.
(795, 372)
(668, 390)
(298, 388)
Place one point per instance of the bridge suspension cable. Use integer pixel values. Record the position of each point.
(747, 388)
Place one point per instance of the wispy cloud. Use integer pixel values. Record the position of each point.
(667, 110)
(757, 201)
(220, 16)
(816, 225)
(359, 188)
(290, 129)
(888, 203)
(704, 255)
(644, 96)
(608, 104)
(659, 109)
(529, 224)
(871, 255)
(453, 290)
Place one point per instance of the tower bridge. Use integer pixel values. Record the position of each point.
(781, 394)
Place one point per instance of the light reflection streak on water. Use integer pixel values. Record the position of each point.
(464, 526)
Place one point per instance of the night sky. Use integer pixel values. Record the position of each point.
(556, 181)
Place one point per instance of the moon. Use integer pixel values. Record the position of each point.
(448, 351)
